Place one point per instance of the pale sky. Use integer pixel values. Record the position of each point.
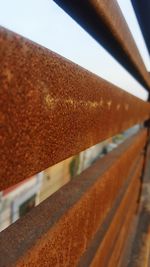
(47, 24)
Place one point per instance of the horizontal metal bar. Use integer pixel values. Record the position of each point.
(64, 224)
(105, 22)
(140, 250)
(103, 246)
(52, 109)
(121, 240)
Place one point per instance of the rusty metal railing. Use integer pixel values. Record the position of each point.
(52, 109)
(105, 22)
(63, 225)
(90, 108)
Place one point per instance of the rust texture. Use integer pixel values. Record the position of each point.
(105, 248)
(140, 253)
(106, 23)
(52, 109)
(58, 231)
(118, 250)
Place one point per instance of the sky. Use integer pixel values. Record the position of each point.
(47, 24)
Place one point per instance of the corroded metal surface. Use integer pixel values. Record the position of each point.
(141, 245)
(58, 231)
(103, 246)
(52, 109)
(121, 240)
(105, 22)
(140, 253)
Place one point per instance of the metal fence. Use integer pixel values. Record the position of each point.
(52, 109)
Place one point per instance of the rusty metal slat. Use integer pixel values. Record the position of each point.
(126, 223)
(105, 22)
(119, 246)
(124, 257)
(52, 109)
(114, 19)
(60, 228)
(103, 244)
(140, 251)
(141, 246)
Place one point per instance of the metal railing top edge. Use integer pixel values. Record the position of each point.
(105, 22)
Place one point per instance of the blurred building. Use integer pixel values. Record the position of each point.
(18, 200)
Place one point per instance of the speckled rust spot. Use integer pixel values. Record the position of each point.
(52, 109)
(58, 231)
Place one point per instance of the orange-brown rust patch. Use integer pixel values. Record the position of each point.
(53, 108)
